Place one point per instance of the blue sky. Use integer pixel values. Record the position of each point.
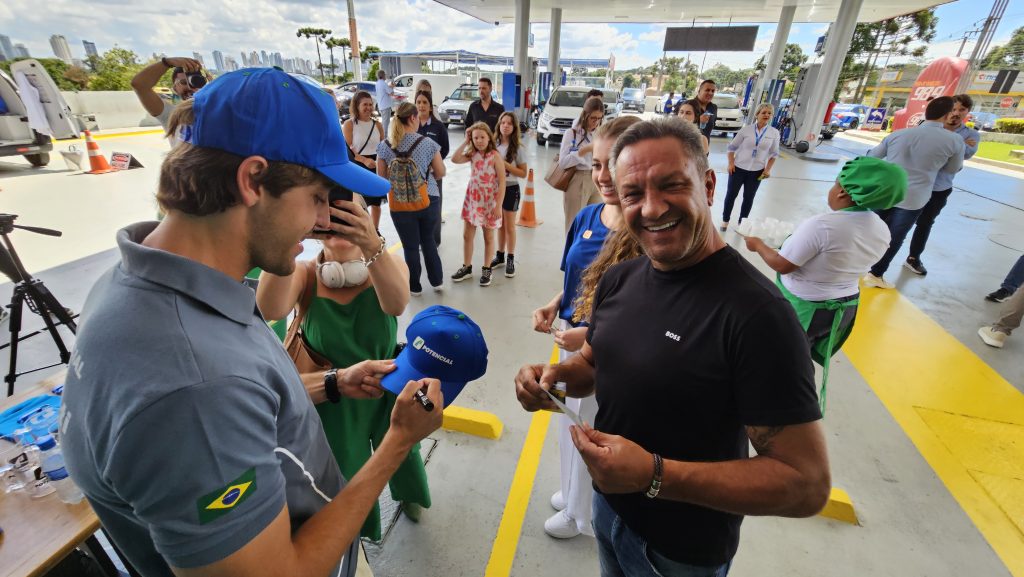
(183, 26)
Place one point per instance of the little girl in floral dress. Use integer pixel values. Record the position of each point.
(482, 207)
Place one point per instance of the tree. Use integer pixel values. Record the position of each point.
(629, 81)
(318, 35)
(892, 37)
(115, 70)
(726, 77)
(55, 67)
(374, 67)
(332, 43)
(365, 53)
(77, 76)
(1009, 56)
(792, 59)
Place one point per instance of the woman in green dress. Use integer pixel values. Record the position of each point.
(358, 291)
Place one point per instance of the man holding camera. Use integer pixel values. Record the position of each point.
(188, 78)
(184, 420)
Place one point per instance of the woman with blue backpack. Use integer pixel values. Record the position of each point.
(413, 165)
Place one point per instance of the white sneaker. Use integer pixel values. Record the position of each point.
(992, 337)
(871, 280)
(561, 526)
(439, 288)
(557, 501)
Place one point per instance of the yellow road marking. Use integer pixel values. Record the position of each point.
(503, 552)
(112, 135)
(954, 408)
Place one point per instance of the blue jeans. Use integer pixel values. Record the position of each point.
(748, 181)
(623, 553)
(1016, 276)
(899, 221)
(416, 230)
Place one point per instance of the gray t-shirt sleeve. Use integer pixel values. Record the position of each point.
(199, 468)
(165, 115)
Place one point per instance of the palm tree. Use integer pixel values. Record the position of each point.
(318, 35)
(332, 43)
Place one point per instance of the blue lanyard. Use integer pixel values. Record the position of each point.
(757, 139)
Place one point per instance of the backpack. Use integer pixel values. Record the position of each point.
(408, 185)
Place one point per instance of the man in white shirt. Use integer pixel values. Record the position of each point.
(146, 80)
(820, 264)
(385, 100)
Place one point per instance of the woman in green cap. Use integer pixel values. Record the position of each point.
(820, 264)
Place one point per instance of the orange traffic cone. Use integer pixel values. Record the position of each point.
(528, 213)
(97, 162)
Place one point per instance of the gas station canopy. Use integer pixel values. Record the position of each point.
(467, 57)
(682, 11)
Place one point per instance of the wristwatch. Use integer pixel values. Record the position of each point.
(655, 487)
(331, 386)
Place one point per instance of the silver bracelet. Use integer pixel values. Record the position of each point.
(380, 251)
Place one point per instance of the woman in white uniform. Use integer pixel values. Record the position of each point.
(751, 157)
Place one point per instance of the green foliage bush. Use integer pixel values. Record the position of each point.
(1010, 125)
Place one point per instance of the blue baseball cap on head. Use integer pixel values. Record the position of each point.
(443, 344)
(267, 112)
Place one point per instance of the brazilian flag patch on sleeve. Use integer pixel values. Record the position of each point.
(215, 505)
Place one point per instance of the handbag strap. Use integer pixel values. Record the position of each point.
(304, 302)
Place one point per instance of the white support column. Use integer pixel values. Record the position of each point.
(521, 48)
(774, 59)
(554, 45)
(837, 46)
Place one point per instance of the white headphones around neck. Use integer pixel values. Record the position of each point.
(346, 274)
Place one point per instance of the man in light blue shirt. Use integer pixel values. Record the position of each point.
(923, 151)
(385, 100)
(962, 105)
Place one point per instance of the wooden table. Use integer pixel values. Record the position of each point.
(38, 533)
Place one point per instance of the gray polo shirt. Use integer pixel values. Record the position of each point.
(185, 422)
(923, 151)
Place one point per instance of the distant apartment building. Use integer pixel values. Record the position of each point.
(60, 48)
(90, 48)
(21, 51)
(6, 49)
(218, 60)
(230, 64)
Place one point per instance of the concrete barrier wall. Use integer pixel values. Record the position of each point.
(112, 109)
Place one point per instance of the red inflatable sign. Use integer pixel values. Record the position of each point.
(939, 79)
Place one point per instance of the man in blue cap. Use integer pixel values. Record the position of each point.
(184, 421)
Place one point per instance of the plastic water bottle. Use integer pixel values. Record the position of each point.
(52, 463)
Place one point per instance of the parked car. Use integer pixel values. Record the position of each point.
(730, 114)
(344, 93)
(985, 121)
(849, 116)
(663, 102)
(453, 108)
(16, 138)
(633, 99)
(566, 105)
(405, 84)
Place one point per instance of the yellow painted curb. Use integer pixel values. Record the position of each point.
(472, 422)
(840, 508)
(112, 135)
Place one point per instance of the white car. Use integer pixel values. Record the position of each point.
(566, 105)
(730, 115)
(16, 137)
(454, 108)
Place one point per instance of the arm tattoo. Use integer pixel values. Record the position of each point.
(761, 438)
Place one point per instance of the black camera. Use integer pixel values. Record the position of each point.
(195, 80)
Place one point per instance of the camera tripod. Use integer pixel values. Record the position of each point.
(31, 291)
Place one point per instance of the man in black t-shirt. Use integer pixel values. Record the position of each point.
(484, 109)
(692, 354)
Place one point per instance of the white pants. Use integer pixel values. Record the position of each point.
(577, 487)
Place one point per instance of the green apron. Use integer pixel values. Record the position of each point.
(823, 349)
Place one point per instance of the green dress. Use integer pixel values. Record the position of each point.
(346, 335)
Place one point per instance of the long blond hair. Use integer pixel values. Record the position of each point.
(492, 145)
(397, 129)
